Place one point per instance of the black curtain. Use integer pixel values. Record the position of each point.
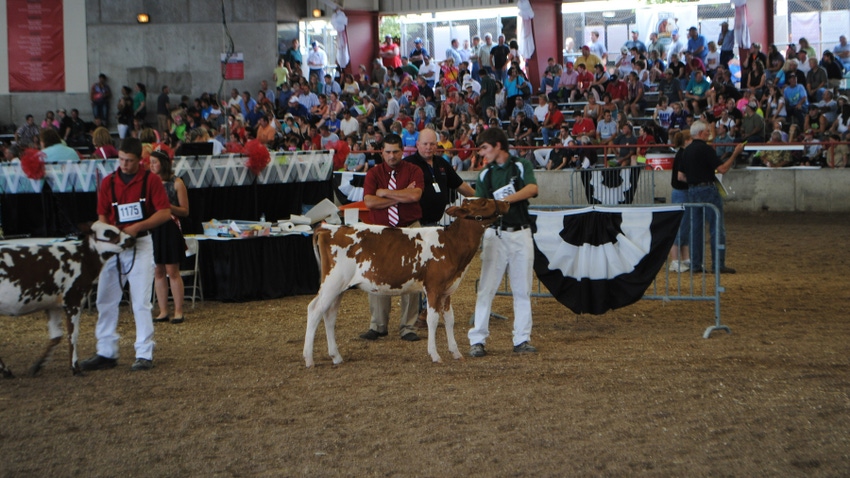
(49, 214)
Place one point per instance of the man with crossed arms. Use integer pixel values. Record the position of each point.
(392, 191)
(439, 179)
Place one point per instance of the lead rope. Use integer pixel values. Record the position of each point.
(118, 264)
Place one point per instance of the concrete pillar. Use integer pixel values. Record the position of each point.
(548, 37)
(761, 30)
(362, 39)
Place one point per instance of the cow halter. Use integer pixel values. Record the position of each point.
(496, 215)
(114, 240)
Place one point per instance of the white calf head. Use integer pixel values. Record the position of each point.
(108, 239)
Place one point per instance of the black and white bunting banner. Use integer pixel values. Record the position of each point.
(599, 258)
(610, 186)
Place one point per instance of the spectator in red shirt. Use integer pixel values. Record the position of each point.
(585, 80)
(390, 55)
(552, 122)
(582, 126)
(692, 65)
(644, 139)
(619, 91)
(409, 88)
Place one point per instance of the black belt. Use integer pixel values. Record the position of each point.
(142, 234)
(511, 228)
(701, 185)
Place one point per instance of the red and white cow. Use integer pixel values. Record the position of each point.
(394, 261)
(56, 278)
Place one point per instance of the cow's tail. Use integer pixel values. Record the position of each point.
(316, 251)
(320, 243)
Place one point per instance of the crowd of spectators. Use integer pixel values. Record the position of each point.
(598, 106)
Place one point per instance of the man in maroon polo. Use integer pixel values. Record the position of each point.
(392, 191)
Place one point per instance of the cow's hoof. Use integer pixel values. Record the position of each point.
(337, 359)
(436, 359)
(8, 374)
(457, 355)
(308, 361)
(36, 367)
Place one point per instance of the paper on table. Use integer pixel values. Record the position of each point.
(287, 227)
(322, 210)
(298, 219)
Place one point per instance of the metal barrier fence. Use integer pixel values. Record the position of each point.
(670, 285)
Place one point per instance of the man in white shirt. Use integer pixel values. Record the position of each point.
(393, 110)
(597, 47)
(429, 71)
(307, 97)
(330, 86)
(327, 136)
(541, 155)
(317, 60)
(803, 61)
(469, 81)
(842, 52)
(465, 52)
(676, 46)
(541, 110)
(235, 98)
(485, 60)
(348, 126)
(473, 56)
(606, 130)
(454, 52)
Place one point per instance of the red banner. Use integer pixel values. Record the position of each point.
(233, 66)
(36, 45)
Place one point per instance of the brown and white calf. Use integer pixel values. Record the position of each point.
(393, 261)
(56, 278)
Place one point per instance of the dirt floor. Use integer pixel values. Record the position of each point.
(635, 391)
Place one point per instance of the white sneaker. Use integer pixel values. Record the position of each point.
(685, 266)
(674, 266)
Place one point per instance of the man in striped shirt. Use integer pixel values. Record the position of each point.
(392, 191)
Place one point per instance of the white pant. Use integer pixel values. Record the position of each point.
(513, 251)
(541, 156)
(139, 263)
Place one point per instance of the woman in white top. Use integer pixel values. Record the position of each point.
(500, 96)
(624, 63)
(775, 104)
(592, 109)
(643, 74)
(350, 87)
(842, 123)
(712, 60)
(726, 120)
